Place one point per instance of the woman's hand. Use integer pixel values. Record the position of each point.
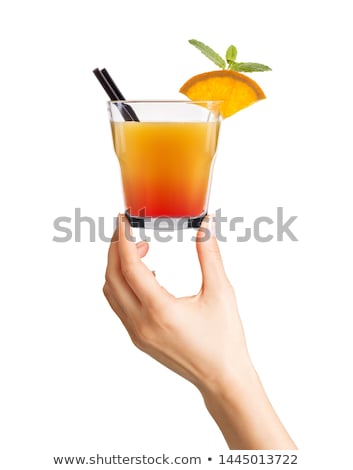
(199, 337)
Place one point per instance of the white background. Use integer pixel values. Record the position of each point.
(71, 381)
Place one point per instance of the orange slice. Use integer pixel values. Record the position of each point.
(237, 90)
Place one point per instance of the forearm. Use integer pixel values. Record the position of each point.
(244, 414)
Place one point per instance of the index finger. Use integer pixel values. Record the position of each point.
(140, 279)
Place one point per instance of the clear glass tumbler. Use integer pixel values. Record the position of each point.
(166, 151)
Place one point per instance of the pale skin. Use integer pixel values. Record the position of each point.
(200, 337)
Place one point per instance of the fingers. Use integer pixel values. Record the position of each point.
(121, 296)
(213, 274)
(142, 248)
(111, 298)
(139, 278)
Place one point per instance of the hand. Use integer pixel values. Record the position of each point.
(199, 337)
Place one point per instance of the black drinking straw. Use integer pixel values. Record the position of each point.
(118, 93)
(115, 94)
(112, 84)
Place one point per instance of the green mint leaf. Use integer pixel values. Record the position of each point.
(209, 53)
(231, 54)
(249, 67)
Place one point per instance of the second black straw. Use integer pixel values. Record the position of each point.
(115, 94)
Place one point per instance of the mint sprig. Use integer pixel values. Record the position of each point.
(231, 55)
(230, 59)
(249, 67)
(209, 53)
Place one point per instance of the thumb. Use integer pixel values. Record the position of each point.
(213, 274)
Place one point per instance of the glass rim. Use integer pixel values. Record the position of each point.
(165, 101)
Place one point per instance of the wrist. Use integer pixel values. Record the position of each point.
(235, 381)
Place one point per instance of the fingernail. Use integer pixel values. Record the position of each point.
(125, 224)
(118, 220)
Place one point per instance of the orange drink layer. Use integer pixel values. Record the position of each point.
(165, 166)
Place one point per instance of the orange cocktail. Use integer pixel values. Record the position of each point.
(166, 159)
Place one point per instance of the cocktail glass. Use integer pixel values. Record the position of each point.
(166, 159)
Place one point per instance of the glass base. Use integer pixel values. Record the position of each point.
(166, 223)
